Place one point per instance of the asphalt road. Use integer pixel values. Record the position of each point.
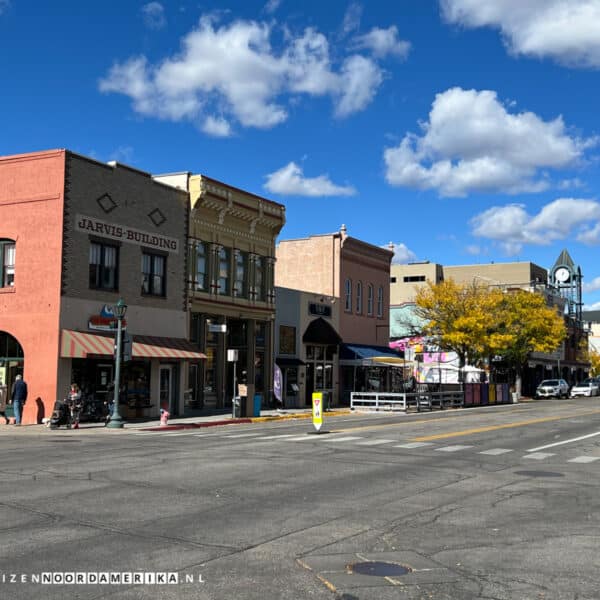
(489, 503)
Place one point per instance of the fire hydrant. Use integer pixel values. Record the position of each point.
(164, 417)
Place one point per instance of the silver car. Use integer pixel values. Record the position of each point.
(588, 387)
(552, 388)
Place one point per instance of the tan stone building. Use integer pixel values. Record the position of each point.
(230, 283)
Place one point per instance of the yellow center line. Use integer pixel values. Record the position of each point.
(439, 436)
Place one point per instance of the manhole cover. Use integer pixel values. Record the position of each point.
(538, 474)
(379, 569)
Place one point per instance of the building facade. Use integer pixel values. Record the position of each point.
(230, 286)
(77, 235)
(341, 267)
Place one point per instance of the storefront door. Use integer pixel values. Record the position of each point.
(166, 388)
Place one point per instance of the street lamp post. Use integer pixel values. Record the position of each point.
(116, 421)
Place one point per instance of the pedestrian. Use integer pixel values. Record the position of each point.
(74, 400)
(18, 397)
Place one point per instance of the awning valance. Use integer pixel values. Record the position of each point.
(289, 362)
(79, 344)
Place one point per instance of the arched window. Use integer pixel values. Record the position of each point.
(7, 263)
(348, 303)
(370, 300)
(359, 297)
(380, 302)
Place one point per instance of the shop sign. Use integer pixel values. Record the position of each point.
(321, 310)
(122, 233)
(105, 321)
(317, 410)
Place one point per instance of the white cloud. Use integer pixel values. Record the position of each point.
(592, 286)
(233, 72)
(475, 250)
(217, 127)
(402, 254)
(154, 15)
(382, 42)
(511, 226)
(472, 143)
(352, 18)
(271, 6)
(595, 306)
(290, 181)
(590, 235)
(568, 31)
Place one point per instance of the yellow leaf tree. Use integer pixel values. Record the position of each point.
(478, 322)
(524, 323)
(594, 357)
(458, 317)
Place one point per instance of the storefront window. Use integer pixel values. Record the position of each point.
(260, 330)
(201, 275)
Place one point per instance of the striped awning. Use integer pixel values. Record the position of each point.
(79, 344)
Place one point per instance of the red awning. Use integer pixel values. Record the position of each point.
(78, 344)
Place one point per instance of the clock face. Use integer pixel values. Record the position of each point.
(562, 274)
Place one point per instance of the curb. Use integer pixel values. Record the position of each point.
(246, 420)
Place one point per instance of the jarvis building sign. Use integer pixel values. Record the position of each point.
(122, 233)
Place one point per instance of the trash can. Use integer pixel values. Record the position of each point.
(237, 407)
(257, 403)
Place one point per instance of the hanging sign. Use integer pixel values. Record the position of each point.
(317, 410)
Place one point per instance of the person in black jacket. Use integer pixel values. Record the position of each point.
(18, 397)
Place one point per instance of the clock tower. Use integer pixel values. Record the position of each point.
(566, 278)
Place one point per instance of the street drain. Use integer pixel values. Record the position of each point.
(379, 569)
(538, 474)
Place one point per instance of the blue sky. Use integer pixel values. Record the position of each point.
(462, 131)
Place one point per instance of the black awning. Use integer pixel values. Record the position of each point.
(321, 332)
(289, 362)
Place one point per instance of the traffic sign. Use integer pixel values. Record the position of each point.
(317, 410)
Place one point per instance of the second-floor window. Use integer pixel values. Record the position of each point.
(359, 297)
(224, 272)
(104, 266)
(7, 263)
(201, 267)
(370, 300)
(240, 285)
(380, 302)
(153, 274)
(259, 279)
(348, 294)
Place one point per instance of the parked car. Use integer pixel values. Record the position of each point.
(552, 388)
(588, 387)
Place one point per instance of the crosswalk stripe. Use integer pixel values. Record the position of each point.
(496, 451)
(584, 459)
(307, 437)
(349, 438)
(538, 455)
(412, 445)
(452, 448)
(375, 442)
(276, 437)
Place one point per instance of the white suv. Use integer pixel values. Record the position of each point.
(552, 388)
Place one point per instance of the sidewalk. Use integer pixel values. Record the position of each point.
(224, 419)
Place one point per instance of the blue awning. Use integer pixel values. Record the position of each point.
(363, 355)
